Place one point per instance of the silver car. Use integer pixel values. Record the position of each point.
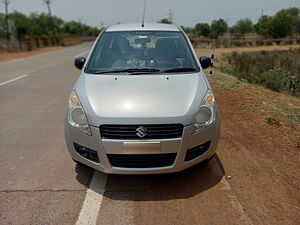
(142, 103)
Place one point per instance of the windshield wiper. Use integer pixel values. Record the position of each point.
(132, 70)
(174, 70)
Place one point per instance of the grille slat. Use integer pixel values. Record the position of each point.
(114, 131)
(142, 161)
(161, 131)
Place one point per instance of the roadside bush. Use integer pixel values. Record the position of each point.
(276, 70)
(272, 79)
(292, 84)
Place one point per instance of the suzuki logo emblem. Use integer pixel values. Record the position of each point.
(141, 132)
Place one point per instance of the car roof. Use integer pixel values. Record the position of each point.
(138, 27)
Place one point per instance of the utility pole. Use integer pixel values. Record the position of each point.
(6, 2)
(262, 12)
(48, 3)
(170, 15)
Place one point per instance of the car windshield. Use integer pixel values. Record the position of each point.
(141, 52)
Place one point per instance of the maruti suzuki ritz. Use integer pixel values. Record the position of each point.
(142, 103)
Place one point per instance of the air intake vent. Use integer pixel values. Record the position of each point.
(127, 132)
(196, 151)
(142, 161)
(86, 153)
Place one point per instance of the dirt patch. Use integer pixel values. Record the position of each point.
(17, 55)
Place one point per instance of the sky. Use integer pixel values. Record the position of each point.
(184, 12)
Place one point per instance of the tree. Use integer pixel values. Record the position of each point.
(218, 28)
(281, 25)
(77, 28)
(297, 26)
(187, 30)
(40, 24)
(94, 31)
(294, 14)
(202, 29)
(57, 25)
(2, 25)
(263, 25)
(20, 25)
(242, 27)
(234, 32)
(43, 24)
(166, 21)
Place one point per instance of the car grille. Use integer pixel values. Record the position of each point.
(196, 151)
(141, 131)
(142, 161)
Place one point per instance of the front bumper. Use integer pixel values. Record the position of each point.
(179, 146)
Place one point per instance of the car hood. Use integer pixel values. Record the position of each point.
(141, 99)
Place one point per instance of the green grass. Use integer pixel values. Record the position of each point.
(276, 70)
(272, 120)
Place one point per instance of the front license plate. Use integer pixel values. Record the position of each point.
(141, 148)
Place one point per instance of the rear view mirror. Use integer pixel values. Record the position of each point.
(205, 62)
(79, 62)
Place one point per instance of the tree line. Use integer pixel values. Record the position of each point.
(42, 24)
(284, 23)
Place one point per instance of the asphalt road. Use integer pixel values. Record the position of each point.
(40, 184)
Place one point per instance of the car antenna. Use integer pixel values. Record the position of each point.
(212, 61)
(145, 4)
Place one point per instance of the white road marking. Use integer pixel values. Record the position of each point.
(82, 54)
(14, 79)
(93, 200)
(235, 203)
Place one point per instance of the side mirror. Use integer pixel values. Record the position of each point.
(79, 62)
(205, 62)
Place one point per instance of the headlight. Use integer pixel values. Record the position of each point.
(76, 115)
(207, 112)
